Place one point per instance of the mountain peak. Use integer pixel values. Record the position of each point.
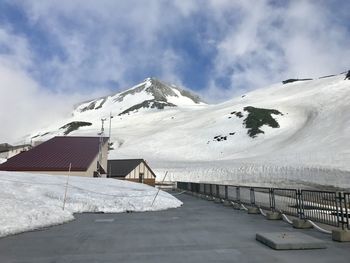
(151, 93)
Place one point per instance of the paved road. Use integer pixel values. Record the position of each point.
(200, 231)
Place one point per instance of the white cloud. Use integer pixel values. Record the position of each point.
(250, 44)
(270, 43)
(106, 40)
(26, 105)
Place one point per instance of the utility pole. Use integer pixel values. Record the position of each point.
(110, 129)
(101, 144)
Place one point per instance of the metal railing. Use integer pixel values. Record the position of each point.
(327, 207)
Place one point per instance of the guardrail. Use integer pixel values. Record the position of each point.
(327, 207)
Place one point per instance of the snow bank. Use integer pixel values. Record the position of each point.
(258, 173)
(31, 201)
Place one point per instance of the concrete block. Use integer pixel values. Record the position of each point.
(210, 198)
(200, 196)
(301, 223)
(253, 210)
(341, 235)
(227, 203)
(272, 215)
(217, 200)
(204, 197)
(290, 241)
(236, 206)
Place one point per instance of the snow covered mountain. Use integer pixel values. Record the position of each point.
(295, 132)
(151, 93)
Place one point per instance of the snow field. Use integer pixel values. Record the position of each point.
(312, 143)
(31, 201)
(259, 174)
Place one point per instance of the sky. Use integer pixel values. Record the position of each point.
(54, 54)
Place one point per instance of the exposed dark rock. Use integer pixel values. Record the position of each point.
(148, 104)
(75, 125)
(257, 118)
(160, 91)
(110, 146)
(237, 113)
(129, 92)
(101, 104)
(220, 138)
(91, 106)
(293, 80)
(328, 76)
(195, 98)
(347, 75)
(232, 133)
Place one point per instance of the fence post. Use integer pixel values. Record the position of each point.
(340, 198)
(226, 192)
(217, 191)
(211, 190)
(252, 196)
(300, 204)
(272, 199)
(238, 195)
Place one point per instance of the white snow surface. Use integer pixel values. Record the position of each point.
(311, 146)
(31, 201)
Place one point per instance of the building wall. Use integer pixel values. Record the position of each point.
(104, 156)
(151, 182)
(82, 174)
(148, 177)
(141, 168)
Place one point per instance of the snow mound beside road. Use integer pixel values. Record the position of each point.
(31, 201)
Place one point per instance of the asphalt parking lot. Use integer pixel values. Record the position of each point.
(199, 231)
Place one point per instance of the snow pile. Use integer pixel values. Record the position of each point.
(31, 201)
(2, 160)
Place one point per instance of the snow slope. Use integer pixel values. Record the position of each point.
(211, 142)
(30, 201)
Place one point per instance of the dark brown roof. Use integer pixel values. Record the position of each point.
(122, 167)
(56, 154)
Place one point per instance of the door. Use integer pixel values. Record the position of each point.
(141, 178)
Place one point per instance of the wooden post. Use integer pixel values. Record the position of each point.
(158, 189)
(65, 192)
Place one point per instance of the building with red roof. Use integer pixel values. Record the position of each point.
(83, 156)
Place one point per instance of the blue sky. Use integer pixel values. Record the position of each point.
(60, 52)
